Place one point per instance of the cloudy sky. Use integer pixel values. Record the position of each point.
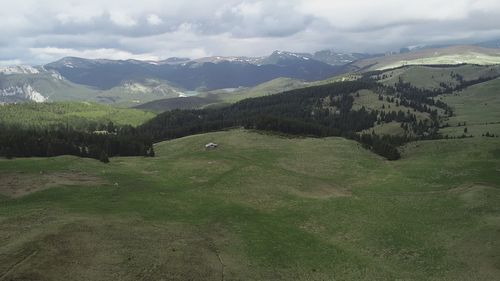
(40, 31)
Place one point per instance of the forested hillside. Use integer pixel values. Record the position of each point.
(81, 129)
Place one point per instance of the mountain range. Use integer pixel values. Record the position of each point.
(129, 82)
(199, 74)
(134, 82)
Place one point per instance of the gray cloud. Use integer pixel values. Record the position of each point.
(36, 32)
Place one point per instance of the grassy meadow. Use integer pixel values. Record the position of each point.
(478, 107)
(71, 113)
(431, 77)
(260, 207)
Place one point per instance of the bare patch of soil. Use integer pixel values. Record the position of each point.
(20, 184)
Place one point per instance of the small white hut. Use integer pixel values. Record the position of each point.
(211, 145)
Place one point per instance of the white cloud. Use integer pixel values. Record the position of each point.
(122, 19)
(356, 14)
(52, 53)
(36, 31)
(154, 19)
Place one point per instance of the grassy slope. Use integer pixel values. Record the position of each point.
(268, 88)
(262, 207)
(370, 101)
(73, 113)
(430, 77)
(470, 58)
(450, 55)
(478, 106)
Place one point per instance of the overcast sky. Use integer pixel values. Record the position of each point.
(40, 31)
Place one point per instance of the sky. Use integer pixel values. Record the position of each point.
(40, 31)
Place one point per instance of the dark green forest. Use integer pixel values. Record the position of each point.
(54, 141)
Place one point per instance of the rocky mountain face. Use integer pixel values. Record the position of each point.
(16, 83)
(13, 94)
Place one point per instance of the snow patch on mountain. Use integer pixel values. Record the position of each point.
(285, 55)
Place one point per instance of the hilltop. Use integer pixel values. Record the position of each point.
(453, 55)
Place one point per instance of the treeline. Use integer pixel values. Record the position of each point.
(113, 141)
(421, 99)
(385, 145)
(418, 98)
(462, 84)
(323, 111)
(316, 111)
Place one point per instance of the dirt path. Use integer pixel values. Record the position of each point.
(17, 265)
(221, 264)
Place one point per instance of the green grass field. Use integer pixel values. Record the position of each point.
(428, 77)
(260, 207)
(71, 113)
(478, 107)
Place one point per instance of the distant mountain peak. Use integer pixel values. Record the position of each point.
(333, 57)
(286, 54)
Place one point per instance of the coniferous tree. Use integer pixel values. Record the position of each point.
(104, 157)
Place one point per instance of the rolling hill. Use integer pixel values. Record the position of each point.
(437, 77)
(453, 55)
(261, 207)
